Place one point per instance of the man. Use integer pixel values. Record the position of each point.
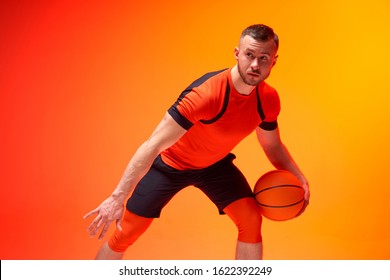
(192, 144)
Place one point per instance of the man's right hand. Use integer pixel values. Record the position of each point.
(108, 211)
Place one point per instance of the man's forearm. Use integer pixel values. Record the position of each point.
(137, 167)
(282, 159)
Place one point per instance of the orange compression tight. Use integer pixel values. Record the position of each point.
(133, 226)
(246, 215)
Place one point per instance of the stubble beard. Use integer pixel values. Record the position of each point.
(245, 79)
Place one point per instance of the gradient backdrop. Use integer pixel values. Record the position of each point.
(83, 83)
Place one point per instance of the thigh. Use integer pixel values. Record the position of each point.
(155, 190)
(224, 183)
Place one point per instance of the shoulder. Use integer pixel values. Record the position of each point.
(203, 98)
(268, 94)
(269, 91)
(269, 99)
(212, 82)
(214, 77)
(212, 90)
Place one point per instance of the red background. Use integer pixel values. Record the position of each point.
(83, 83)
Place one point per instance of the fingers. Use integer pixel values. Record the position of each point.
(105, 223)
(106, 213)
(307, 195)
(119, 224)
(103, 233)
(306, 203)
(96, 210)
(98, 223)
(95, 225)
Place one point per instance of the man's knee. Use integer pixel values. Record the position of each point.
(133, 226)
(246, 215)
(250, 228)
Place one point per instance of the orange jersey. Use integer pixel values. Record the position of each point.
(217, 118)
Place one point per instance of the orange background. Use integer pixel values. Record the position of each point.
(83, 83)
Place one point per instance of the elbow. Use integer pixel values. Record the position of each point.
(147, 152)
(274, 151)
(152, 148)
(272, 147)
(155, 147)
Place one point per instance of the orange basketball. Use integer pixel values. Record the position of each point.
(280, 195)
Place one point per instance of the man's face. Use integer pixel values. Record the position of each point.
(255, 59)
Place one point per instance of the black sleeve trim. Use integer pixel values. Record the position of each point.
(269, 125)
(179, 118)
(225, 105)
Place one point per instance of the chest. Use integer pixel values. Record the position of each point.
(238, 119)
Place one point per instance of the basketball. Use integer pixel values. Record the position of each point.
(280, 195)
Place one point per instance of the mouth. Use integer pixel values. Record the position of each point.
(253, 74)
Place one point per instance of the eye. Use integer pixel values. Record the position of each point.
(264, 58)
(250, 55)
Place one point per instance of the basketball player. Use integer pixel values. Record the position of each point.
(192, 145)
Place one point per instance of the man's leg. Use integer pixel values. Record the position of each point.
(246, 215)
(133, 226)
(106, 253)
(249, 251)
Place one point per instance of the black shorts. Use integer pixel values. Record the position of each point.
(222, 182)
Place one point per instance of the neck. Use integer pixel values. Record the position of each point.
(239, 84)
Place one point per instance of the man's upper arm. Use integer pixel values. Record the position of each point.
(167, 133)
(268, 139)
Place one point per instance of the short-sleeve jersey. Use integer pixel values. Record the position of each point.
(217, 118)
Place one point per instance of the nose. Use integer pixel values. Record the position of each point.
(255, 64)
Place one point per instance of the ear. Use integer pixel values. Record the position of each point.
(236, 52)
(275, 60)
